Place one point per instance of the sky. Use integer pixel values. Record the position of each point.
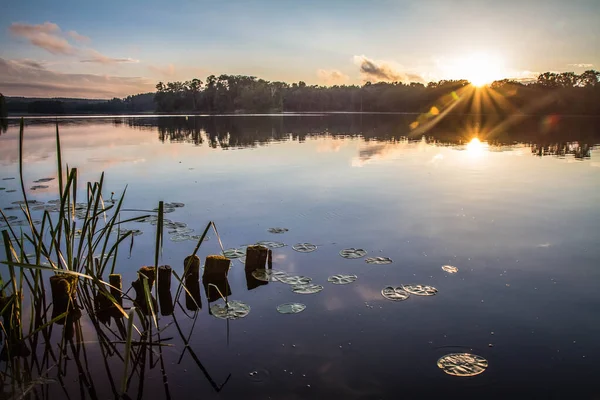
(117, 48)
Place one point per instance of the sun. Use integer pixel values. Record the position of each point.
(480, 68)
(476, 147)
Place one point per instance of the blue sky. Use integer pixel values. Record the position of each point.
(129, 46)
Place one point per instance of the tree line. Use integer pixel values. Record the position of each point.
(239, 93)
(558, 93)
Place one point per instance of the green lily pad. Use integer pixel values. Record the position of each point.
(234, 253)
(180, 231)
(420, 290)
(1, 188)
(277, 230)
(197, 237)
(309, 288)
(378, 260)
(42, 180)
(304, 247)
(8, 179)
(295, 280)
(174, 205)
(342, 279)
(291, 308)
(232, 310)
(268, 275)
(270, 244)
(37, 187)
(11, 191)
(395, 293)
(353, 253)
(450, 269)
(180, 238)
(462, 364)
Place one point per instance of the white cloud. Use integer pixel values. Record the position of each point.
(78, 37)
(581, 65)
(383, 71)
(45, 36)
(332, 76)
(29, 78)
(97, 57)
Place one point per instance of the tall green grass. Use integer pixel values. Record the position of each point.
(78, 244)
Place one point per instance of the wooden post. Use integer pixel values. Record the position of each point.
(64, 291)
(104, 307)
(191, 265)
(13, 344)
(193, 302)
(221, 282)
(252, 282)
(256, 257)
(138, 285)
(115, 280)
(217, 265)
(270, 259)
(164, 290)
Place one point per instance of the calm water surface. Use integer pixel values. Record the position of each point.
(523, 231)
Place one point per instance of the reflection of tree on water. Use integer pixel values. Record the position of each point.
(230, 132)
(579, 151)
(3, 114)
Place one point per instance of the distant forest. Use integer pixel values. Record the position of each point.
(555, 93)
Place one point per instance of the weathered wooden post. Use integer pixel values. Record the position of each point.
(191, 266)
(116, 281)
(140, 301)
(64, 291)
(217, 265)
(164, 290)
(270, 259)
(256, 257)
(13, 344)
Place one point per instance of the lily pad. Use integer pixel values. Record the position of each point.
(291, 308)
(197, 237)
(309, 288)
(37, 187)
(304, 247)
(342, 279)
(174, 205)
(268, 275)
(41, 180)
(8, 179)
(462, 364)
(11, 191)
(395, 293)
(180, 238)
(353, 253)
(2, 188)
(295, 280)
(234, 253)
(277, 230)
(420, 290)
(180, 231)
(232, 310)
(450, 269)
(270, 244)
(378, 260)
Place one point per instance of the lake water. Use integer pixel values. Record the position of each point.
(523, 229)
